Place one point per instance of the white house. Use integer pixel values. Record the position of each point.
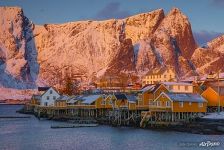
(49, 97)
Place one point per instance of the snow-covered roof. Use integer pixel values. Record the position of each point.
(176, 83)
(63, 98)
(132, 98)
(150, 87)
(74, 99)
(185, 97)
(90, 99)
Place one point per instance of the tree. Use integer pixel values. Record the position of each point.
(68, 88)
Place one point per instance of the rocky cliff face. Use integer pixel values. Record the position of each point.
(34, 54)
(210, 57)
(171, 44)
(18, 55)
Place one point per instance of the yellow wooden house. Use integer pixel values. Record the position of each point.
(213, 95)
(148, 94)
(179, 102)
(169, 108)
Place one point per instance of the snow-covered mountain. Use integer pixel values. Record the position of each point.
(31, 54)
(210, 57)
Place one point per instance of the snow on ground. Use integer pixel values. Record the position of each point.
(214, 115)
(15, 94)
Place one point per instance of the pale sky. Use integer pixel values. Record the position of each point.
(206, 16)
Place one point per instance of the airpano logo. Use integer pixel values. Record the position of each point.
(209, 144)
(200, 144)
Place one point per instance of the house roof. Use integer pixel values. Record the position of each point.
(132, 98)
(156, 87)
(120, 96)
(176, 83)
(185, 97)
(43, 88)
(89, 99)
(63, 98)
(147, 88)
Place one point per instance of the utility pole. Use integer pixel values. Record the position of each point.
(218, 94)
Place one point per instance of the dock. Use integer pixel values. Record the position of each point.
(73, 126)
(15, 117)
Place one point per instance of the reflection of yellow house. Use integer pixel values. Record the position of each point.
(179, 102)
(148, 94)
(161, 75)
(213, 94)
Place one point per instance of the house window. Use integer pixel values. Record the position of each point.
(54, 97)
(190, 103)
(51, 91)
(170, 76)
(171, 87)
(45, 104)
(164, 76)
(178, 87)
(181, 104)
(48, 98)
(158, 103)
(200, 104)
(186, 88)
(167, 103)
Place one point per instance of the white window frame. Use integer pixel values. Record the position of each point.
(168, 104)
(48, 97)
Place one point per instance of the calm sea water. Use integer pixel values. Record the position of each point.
(34, 134)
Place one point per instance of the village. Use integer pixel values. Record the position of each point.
(163, 100)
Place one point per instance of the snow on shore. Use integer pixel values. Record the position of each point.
(214, 115)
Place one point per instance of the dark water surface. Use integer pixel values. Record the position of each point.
(34, 134)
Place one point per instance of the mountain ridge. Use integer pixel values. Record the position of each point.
(33, 55)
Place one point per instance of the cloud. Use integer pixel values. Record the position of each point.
(112, 10)
(205, 36)
(218, 3)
